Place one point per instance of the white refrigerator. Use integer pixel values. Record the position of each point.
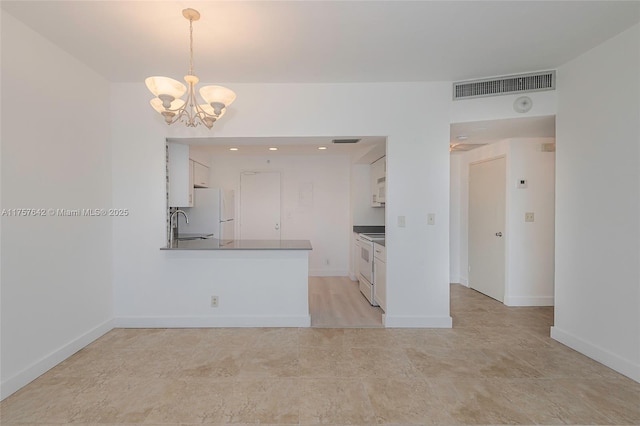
(213, 212)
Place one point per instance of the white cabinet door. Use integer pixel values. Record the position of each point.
(200, 175)
(380, 276)
(356, 256)
(178, 170)
(378, 172)
(191, 183)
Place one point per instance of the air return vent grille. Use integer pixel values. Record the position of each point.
(346, 140)
(520, 83)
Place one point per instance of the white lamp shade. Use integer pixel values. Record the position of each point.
(217, 94)
(165, 86)
(156, 103)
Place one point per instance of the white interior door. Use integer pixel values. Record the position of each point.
(260, 206)
(487, 205)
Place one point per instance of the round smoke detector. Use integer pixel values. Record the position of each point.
(522, 104)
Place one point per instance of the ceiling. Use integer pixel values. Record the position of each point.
(367, 150)
(331, 41)
(325, 41)
(484, 132)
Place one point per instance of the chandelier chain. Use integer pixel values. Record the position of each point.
(191, 46)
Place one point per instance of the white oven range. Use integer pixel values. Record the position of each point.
(366, 278)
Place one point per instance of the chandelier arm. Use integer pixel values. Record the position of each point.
(180, 116)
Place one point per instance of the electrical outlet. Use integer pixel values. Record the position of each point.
(431, 219)
(214, 301)
(529, 217)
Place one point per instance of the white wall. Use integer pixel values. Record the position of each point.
(56, 271)
(455, 162)
(315, 197)
(597, 211)
(531, 244)
(199, 155)
(500, 107)
(529, 274)
(362, 212)
(417, 158)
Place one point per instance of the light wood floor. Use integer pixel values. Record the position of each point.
(337, 302)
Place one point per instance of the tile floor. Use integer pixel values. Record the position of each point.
(496, 366)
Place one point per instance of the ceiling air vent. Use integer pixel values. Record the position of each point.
(520, 83)
(346, 140)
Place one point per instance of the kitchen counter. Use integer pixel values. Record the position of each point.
(259, 283)
(215, 244)
(368, 229)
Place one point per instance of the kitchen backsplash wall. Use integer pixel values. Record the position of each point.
(315, 196)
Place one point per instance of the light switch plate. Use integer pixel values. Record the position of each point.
(431, 219)
(402, 222)
(521, 184)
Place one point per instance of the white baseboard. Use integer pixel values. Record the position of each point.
(454, 279)
(464, 281)
(611, 360)
(49, 361)
(212, 322)
(529, 301)
(417, 322)
(328, 273)
(352, 277)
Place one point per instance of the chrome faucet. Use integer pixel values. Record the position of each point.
(174, 230)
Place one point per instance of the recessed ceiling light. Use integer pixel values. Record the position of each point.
(233, 149)
(322, 147)
(273, 148)
(462, 137)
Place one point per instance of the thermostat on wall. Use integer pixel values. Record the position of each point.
(521, 184)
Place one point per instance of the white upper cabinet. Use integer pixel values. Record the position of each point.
(179, 175)
(378, 182)
(184, 175)
(191, 184)
(200, 175)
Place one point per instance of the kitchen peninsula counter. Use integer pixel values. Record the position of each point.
(255, 283)
(215, 244)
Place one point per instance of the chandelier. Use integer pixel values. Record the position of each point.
(168, 92)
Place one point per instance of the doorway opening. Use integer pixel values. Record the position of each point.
(502, 240)
(312, 188)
